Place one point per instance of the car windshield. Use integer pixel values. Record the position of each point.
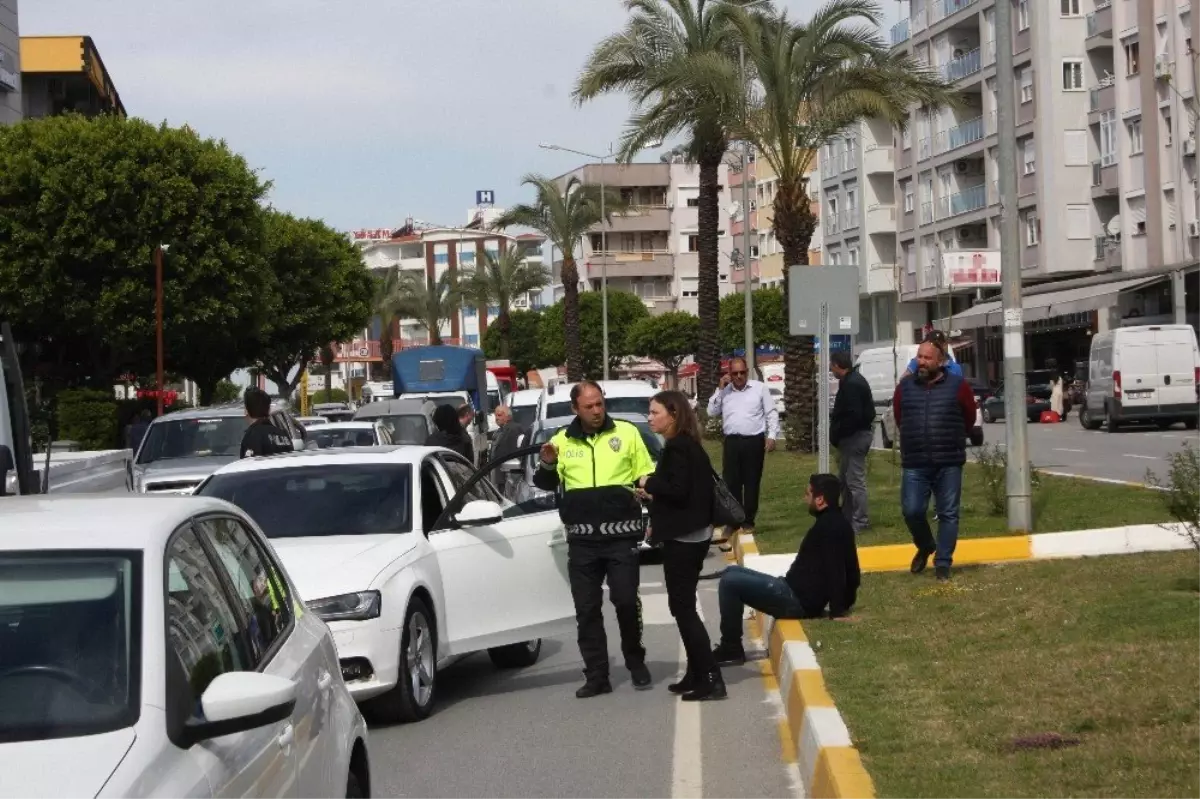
(69, 643)
(654, 441)
(611, 404)
(493, 400)
(524, 415)
(406, 428)
(326, 437)
(307, 501)
(193, 438)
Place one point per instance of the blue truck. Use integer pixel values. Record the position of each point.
(442, 373)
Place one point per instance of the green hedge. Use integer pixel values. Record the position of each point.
(88, 416)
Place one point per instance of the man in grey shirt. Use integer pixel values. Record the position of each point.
(751, 426)
(506, 440)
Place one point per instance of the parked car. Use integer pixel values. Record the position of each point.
(370, 433)
(524, 405)
(1038, 387)
(182, 448)
(407, 421)
(413, 559)
(311, 421)
(157, 647)
(1145, 373)
(980, 388)
(620, 396)
(334, 411)
(890, 435)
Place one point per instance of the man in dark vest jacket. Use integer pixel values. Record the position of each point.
(934, 411)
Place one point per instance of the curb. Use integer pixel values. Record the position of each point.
(829, 764)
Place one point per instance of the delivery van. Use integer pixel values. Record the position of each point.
(1145, 373)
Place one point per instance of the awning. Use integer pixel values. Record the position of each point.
(1038, 307)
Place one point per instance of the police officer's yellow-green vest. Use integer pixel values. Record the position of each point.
(598, 474)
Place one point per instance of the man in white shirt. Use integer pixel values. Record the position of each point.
(751, 426)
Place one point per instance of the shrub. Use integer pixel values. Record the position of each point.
(333, 395)
(993, 468)
(1181, 491)
(88, 416)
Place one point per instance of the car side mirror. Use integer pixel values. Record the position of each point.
(238, 701)
(479, 513)
(514, 466)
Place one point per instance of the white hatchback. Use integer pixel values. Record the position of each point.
(153, 646)
(413, 558)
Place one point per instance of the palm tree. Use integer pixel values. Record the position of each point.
(564, 215)
(431, 301)
(381, 306)
(817, 79)
(501, 278)
(677, 60)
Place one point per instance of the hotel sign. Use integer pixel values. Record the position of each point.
(372, 234)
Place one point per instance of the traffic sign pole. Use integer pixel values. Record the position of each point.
(823, 405)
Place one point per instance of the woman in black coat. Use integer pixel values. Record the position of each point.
(681, 499)
(450, 433)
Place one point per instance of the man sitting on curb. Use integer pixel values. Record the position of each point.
(824, 575)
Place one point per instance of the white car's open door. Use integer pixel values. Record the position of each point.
(503, 567)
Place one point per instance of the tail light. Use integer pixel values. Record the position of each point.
(1117, 384)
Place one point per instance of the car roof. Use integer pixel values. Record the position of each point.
(525, 396)
(364, 424)
(388, 453)
(211, 412)
(83, 521)
(392, 407)
(611, 388)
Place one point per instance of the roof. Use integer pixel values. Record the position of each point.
(58, 55)
(394, 453)
(82, 521)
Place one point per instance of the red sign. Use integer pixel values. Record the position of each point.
(372, 234)
(169, 396)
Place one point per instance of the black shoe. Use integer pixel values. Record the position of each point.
(729, 654)
(640, 676)
(920, 560)
(683, 686)
(593, 688)
(942, 573)
(710, 686)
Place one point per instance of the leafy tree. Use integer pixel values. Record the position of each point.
(667, 338)
(564, 214)
(226, 391)
(83, 205)
(770, 320)
(432, 302)
(498, 280)
(624, 311)
(818, 78)
(678, 62)
(322, 293)
(522, 341)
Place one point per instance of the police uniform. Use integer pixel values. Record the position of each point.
(264, 438)
(603, 521)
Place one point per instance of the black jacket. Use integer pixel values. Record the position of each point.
(459, 443)
(505, 442)
(682, 488)
(264, 438)
(853, 407)
(825, 572)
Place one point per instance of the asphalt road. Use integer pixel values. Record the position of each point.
(523, 733)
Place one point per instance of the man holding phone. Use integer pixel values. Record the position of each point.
(751, 426)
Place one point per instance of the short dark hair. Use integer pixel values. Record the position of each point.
(258, 403)
(840, 359)
(828, 487)
(578, 388)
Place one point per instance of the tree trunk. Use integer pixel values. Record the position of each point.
(794, 225)
(570, 281)
(327, 356)
(708, 211)
(208, 389)
(384, 372)
(504, 328)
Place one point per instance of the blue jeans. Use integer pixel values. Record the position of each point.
(739, 587)
(944, 483)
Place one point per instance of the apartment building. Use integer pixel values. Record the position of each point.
(1096, 248)
(11, 104)
(65, 74)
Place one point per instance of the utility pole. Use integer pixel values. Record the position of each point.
(1020, 506)
(158, 323)
(746, 273)
(604, 264)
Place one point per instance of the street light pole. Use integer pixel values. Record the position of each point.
(158, 321)
(604, 267)
(1020, 506)
(746, 272)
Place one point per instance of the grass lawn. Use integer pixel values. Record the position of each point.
(1061, 503)
(937, 681)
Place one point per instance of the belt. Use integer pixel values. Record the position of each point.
(739, 435)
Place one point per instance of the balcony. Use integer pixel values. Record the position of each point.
(959, 136)
(967, 64)
(878, 160)
(881, 219)
(900, 32)
(881, 279)
(964, 202)
(832, 223)
(655, 263)
(850, 219)
(926, 213)
(1104, 176)
(940, 9)
(1100, 28)
(1107, 252)
(639, 219)
(924, 149)
(1102, 98)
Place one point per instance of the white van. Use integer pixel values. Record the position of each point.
(1147, 373)
(524, 406)
(620, 396)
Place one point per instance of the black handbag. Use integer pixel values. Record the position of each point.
(726, 511)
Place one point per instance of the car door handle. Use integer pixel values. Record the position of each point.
(286, 737)
(324, 681)
(558, 541)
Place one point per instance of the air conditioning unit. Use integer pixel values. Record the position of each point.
(1193, 230)
(1189, 145)
(1162, 66)
(965, 167)
(966, 233)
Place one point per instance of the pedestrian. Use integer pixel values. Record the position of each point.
(262, 437)
(508, 439)
(822, 580)
(450, 433)
(852, 431)
(934, 411)
(1056, 397)
(137, 430)
(680, 493)
(598, 460)
(751, 426)
(939, 339)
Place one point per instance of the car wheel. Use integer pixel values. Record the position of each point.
(1190, 424)
(1165, 425)
(353, 787)
(1111, 425)
(987, 416)
(412, 698)
(516, 656)
(1085, 419)
(883, 437)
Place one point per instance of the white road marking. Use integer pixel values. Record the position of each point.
(687, 761)
(1142, 457)
(1068, 449)
(1092, 479)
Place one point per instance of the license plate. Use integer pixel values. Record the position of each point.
(1138, 394)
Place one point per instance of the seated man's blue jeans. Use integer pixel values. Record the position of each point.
(944, 483)
(740, 586)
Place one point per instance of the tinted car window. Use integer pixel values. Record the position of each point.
(302, 501)
(343, 437)
(193, 438)
(406, 429)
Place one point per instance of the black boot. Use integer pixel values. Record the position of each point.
(709, 686)
(594, 687)
(727, 654)
(920, 560)
(686, 684)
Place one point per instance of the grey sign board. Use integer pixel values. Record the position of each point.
(810, 287)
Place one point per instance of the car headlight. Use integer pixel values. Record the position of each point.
(359, 606)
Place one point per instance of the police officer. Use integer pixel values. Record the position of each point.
(262, 437)
(598, 460)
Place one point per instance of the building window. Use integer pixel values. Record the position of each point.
(693, 202)
(441, 258)
(693, 242)
(466, 257)
(1134, 129)
(906, 137)
(1033, 229)
(1168, 131)
(1072, 74)
(1026, 85)
(1132, 58)
(1023, 15)
(628, 242)
(1070, 8)
(1029, 156)
(1108, 138)
(468, 312)
(908, 197)
(852, 256)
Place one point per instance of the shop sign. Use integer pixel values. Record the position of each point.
(372, 234)
(971, 270)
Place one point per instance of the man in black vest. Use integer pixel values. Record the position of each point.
(934, 411)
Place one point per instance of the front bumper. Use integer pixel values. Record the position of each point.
(370, 642)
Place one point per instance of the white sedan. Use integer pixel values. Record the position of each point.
(370, 433)
(413, 558)
(153, 646)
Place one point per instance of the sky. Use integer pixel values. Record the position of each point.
(365, 112)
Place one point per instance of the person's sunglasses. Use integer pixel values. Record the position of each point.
(741, 373)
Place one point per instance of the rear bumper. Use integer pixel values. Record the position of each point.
(1153, 412)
